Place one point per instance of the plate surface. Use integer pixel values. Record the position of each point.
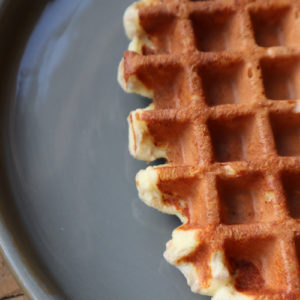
(70, 176)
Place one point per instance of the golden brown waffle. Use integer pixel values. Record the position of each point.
(224, 77)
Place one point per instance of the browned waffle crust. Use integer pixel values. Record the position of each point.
(224, 76)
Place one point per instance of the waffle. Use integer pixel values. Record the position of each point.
(224, 77)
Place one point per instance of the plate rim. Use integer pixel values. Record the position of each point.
(13, 255)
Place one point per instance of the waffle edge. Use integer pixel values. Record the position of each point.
(220, 283)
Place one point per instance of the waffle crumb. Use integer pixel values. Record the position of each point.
(229, 170)
(270, 196)
(224, 77)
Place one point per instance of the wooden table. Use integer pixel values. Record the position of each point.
(9, 289)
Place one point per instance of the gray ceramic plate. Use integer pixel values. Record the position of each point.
(72, 226)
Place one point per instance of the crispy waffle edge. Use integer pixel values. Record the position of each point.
(220, 283)
(141, 147)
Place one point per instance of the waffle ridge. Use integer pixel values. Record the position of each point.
(224, 77)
